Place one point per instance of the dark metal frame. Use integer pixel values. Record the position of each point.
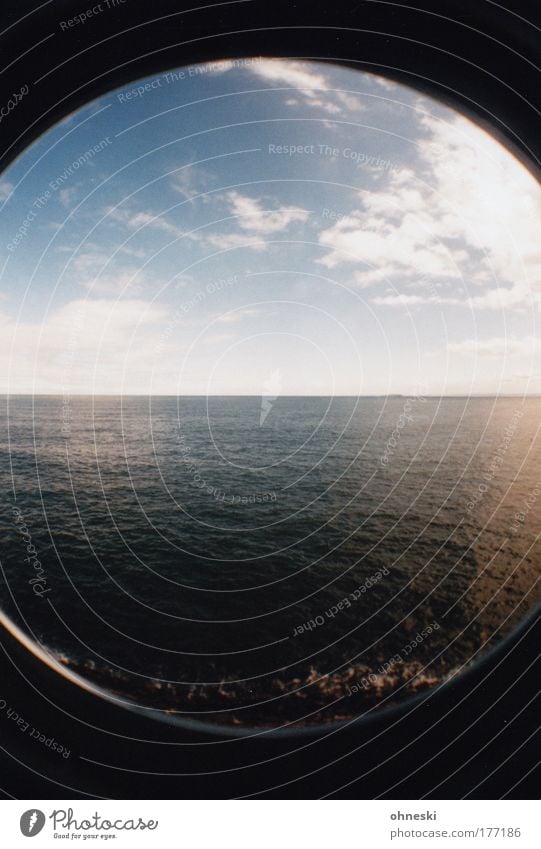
(474, 735)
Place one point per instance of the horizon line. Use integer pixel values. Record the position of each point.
(262, 395)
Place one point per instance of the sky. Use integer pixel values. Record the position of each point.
(266, 226)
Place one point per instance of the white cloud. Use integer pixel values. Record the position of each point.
(190, 180)
(238, 315)
(255, 218)
(67, 196)
(499, 298)
(85, 346)
(89, 260)
(117, 283)
(138, 253)
(383, 82)
(228, 241)
(155, 222)
(498, 347)
(402, 300)
(5, 189)
(102, 274)
(393, 234)
(141, 220)
(255, 221)
(313, 88)
(487, 198)
(468, 210)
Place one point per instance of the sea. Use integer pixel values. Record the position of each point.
(265, 561)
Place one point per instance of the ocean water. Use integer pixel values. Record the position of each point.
(256, 561)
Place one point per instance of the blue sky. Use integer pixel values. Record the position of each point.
(268, 222)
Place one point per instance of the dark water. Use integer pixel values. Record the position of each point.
(345, 552)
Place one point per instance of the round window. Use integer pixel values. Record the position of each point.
(269, 366)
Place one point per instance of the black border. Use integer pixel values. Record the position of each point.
(480, 56)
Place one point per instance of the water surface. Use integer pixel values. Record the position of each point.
(302, 560)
